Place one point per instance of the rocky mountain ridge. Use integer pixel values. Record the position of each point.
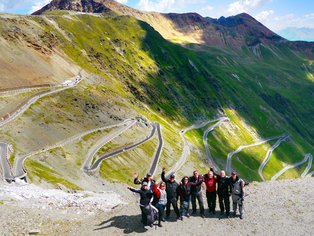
(233, 32)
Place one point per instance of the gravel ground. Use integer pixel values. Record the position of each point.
(272, 208)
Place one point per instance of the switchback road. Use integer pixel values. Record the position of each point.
(279, 173)
(269, 152)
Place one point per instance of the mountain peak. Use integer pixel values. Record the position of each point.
(92, 6)
(234, 31)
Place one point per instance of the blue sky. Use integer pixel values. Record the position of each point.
(275, 14)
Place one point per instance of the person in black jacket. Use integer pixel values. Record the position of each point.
(224, 192)
(145, 198)
(184, 193)
(148, 179)
(171, 189)
(196, 192)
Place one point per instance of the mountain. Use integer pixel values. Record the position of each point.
(233, 32)
(85, 67)
(237, 31)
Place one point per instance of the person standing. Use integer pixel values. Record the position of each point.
(148, 179)
(196, 192)
(171, 190)
(224, 192)
(145, 198)
(211, 184)
(161, 196)
(184, 192)
(237, 190)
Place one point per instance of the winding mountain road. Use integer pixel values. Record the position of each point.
(209, 129)
(311, 173)
(6, 167)
(309, 166)
(19, 161)
(229, 161)
(19, 90)
(88, 161)
(158, 151)
(308, 156)
(282, 138)
(25, 106)
(116, 152)
(186, 149)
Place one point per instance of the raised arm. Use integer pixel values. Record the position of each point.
(163, 177)
(136, 180)
(134, 190)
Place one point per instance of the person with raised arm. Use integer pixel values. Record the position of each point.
(171, 190)
(145, 198)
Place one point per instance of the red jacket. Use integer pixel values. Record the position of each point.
(210, 183)
(156, 191)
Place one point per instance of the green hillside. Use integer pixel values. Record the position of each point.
(265, 90)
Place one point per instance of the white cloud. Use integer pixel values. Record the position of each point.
(1, 7)
(290, 20)
(264, 15)
(38, 4)
(162, 5)
(245, 6)
(122, 1)
(206, 11)
(168, 5)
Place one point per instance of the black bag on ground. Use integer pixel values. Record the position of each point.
(152, 214)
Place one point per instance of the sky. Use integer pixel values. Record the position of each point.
(277, 15)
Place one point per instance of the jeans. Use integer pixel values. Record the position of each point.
(184, 208)
(161, 209)
(199, 198)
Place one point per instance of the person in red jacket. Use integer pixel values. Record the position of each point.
(161, 196)
(211, 183)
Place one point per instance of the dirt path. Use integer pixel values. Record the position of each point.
(271, 208)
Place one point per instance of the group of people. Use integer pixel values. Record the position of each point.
(169, 191)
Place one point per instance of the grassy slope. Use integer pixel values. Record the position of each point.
(273, 94)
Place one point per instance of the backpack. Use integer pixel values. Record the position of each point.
(152, 214)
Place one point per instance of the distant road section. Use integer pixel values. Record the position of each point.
(186, 149)
(125, 126)
(309, 166)
(6, 167)
(19, 170)
(269, 152)
(97, 163)
(13, 115)
(209, 129)
(239, 149)
(308, 156)
(156, 158)
(24, 89)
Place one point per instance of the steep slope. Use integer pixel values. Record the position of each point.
(130, 71)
